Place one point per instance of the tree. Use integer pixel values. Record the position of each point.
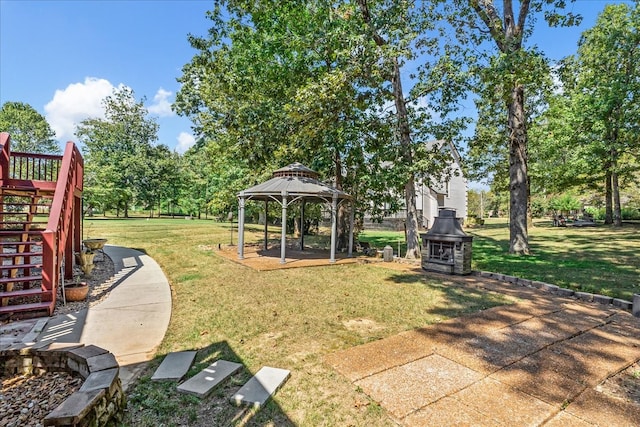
(508, 73)
(607, 98)
(277, 82)
(118, 149)
(29, 130)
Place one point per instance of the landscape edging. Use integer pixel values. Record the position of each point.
(554, 289)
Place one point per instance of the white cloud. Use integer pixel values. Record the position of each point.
(185, 141)
(161, 105)
(76, 102)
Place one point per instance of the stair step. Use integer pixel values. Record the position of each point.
(22, 229)
(36, 306)
(21, 189)
(17, 254)
(19, 266)
(22, 223)
(23, 204)
(10, 233)
(28, 243)
(19, 279)
(24, 293)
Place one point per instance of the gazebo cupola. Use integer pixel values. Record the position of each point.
(290, 184)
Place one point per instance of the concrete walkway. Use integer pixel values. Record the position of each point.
(536, 362)
(130, 323)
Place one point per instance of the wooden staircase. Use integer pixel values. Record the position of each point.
(40, 213)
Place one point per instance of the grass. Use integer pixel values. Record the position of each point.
(603, 259)
(288, 319)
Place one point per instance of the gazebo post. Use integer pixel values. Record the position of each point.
(266, 223)
(334, 224)
(241, 227)
(302, 202)
(283, 239)
(351, 227)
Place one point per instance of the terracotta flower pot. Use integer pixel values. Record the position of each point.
(76, 291)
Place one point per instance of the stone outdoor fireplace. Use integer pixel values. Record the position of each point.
(445, 247)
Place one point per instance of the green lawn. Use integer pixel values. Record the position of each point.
(288, 319)
(602, 259)
(292, 318)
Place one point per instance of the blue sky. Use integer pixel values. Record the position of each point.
(63, 57)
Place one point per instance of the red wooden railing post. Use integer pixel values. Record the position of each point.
(49, 270)
(5, 140)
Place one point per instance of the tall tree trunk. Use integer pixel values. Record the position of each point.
(617, 210)
(411, 222)
(404, 134)
(518, 188)
(413, 249)
(608, 197)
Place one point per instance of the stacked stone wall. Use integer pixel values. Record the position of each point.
(100, 401)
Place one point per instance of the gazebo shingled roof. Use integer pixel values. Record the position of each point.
(289, 184)
(295, 180)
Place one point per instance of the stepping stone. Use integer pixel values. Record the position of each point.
(174, 366)
(261, 387)
(205, 381)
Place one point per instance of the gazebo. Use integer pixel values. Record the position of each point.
(290, 184)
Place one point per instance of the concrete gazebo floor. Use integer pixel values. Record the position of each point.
(257, 258)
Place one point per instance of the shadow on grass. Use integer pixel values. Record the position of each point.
(152, 403)
(589, 260)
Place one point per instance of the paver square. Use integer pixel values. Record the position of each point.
(174, 366)
(508, 406)
(409, 387)
(358, 362)
(604, 410)
(548, 376)
(581, 310)
(564, 419)
(488, 353)
(599, 356)
(572, 323)
(448, 412)
(205, 381)
(628, 335)
(261, 387)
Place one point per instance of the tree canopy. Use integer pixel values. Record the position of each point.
(29, 130)
(321, 83)
(120, 153)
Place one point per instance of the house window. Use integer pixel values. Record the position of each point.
(441, 251)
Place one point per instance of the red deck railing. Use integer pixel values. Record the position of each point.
(64, 174)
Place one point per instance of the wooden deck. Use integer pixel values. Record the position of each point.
(257, 258)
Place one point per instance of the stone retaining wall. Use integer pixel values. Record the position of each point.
(554, 289)
(100, 401)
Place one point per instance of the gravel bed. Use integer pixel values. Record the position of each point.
(26, 399)
(101, 281)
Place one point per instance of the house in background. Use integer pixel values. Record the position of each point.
(449, 193)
